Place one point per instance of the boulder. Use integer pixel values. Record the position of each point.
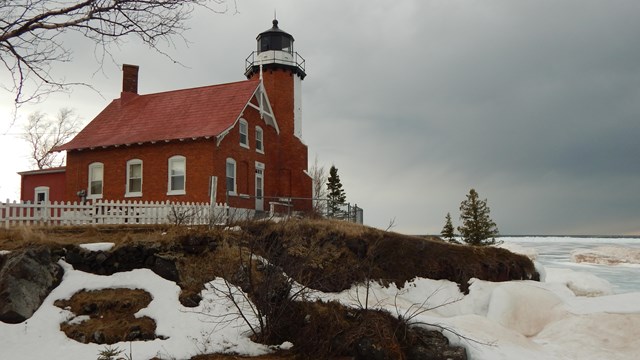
(433, 345)
(26, 278)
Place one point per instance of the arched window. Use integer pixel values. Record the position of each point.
(231, 176)
(259, 140)
(244, 133)
(134, 178)
(96, 177)
(177, 175)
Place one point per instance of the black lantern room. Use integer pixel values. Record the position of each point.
(275, 39)
(275, 51)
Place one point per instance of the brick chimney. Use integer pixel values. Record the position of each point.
(129, 82)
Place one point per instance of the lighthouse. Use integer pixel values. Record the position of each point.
(282, 71)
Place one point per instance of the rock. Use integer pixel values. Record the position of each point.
(197, 244)
(88, 309)
(190, 300)
(434, 346)
(26, 278)
(98, 337)
(165, 267)
(367, 349)
(135, 333)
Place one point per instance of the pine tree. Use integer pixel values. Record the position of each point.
(477, 227)
(336, 195)
(447, 230)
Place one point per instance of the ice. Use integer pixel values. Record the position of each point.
(607, 255)
(580, 283)
(524, 308)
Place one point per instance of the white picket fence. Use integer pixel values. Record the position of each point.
(112, 212)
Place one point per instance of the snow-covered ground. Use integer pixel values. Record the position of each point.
(514, 320)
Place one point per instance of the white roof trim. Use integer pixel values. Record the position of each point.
(263, 107)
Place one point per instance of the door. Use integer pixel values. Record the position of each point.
(259, 189)
(41, 197)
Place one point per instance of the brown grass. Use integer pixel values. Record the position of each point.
(321, 254)
(111, 316)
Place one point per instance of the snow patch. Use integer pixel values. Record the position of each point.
(99, 246)
(523, 308)
(4, 252)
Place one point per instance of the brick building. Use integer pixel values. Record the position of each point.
(238, 142)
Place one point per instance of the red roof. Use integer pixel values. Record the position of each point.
(180, 114)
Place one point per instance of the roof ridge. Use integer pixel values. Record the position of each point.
(199, 87)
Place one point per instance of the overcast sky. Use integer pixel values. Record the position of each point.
(535, 104)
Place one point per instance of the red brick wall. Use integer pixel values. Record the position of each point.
(285, 159)
(55, 182)
(292, 158)
(155, 158)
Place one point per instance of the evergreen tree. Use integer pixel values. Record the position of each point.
(477, 227)
(447, 230)
(336, 196)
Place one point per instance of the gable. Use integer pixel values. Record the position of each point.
(175, 115)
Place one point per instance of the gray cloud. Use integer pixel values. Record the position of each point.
(533, 103)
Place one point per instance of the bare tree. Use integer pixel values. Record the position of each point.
(43, 134)
(318, 175)
(31, 34)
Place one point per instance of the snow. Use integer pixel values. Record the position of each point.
(515, 320)
(4, 252)
(100, 246)
(188, 331)
(607, 255)
(580, 283)
(570, 315)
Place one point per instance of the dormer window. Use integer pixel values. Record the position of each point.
(244, 133)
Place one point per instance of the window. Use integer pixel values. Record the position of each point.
(259, 138)
(244, 133)
(41, 194)
(134, 178)
(96, 176)
(231, 176)
(177, 175)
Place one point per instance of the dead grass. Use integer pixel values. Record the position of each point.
(321, 254)
(111, 316)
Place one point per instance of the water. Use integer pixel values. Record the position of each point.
(556, 252)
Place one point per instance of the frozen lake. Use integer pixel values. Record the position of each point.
(555, 252)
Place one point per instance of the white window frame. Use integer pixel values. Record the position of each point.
(243, 129)
(40, 190)
(93, 167)
(234, 191)
(128, 192)
(170, 166)
(259, 140)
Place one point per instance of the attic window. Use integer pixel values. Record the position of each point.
(244, 133)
